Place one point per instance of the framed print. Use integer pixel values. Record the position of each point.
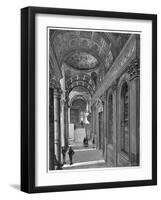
(88, 99)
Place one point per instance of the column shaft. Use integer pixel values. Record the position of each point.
(51, 130)
(62, 123)
(66, 125)
(57, 133)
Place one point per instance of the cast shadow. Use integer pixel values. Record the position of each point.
(15, 186)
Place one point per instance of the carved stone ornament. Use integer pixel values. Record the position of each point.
(103, 98)
(114, 85)
(134, 68)
(54, 83)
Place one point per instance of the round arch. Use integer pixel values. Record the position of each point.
(123, 86)
(78, 96)
(82, 80)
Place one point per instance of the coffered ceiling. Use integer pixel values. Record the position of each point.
(84, 52)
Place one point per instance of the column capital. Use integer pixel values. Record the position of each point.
(134, 68)
(57, 92)
(114, 85)
(53, 83)
(66, 105)
(103, 98)
(66, 97)
(94, 104)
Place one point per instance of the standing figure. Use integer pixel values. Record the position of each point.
(93, 142)
(84, 141)
(71, 153)
(64, 150)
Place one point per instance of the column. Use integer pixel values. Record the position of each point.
(94, 123)
(71, 128)
(51, 130)
(69, 115)
(62, 117)
(134, 70)
(66, 122)
(57, 130)
(93, 112)
(105, 125)
(62, 106)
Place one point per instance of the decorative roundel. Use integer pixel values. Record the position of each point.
(82, 61)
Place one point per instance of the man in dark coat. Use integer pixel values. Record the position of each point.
(71, 153)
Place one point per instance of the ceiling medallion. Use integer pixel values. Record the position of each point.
(82, 61)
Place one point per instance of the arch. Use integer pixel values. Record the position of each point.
(78, 96)
(82, 80)
(110, 118)
(123, 80)
(125, 139)
(70, 89)
(79, 102)
(82, 77)
(124, 115)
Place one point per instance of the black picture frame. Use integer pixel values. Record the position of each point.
(28, 98)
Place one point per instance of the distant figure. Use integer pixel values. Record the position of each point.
(85, 142)
(81, 123)
(71, 153)
(64, 150)
(93, 142)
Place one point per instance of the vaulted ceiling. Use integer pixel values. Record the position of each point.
(84, 52)
(93, 47)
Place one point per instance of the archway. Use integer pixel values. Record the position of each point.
(125, 119)
(78, 118)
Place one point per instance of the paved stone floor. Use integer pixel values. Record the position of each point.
(85, 157)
